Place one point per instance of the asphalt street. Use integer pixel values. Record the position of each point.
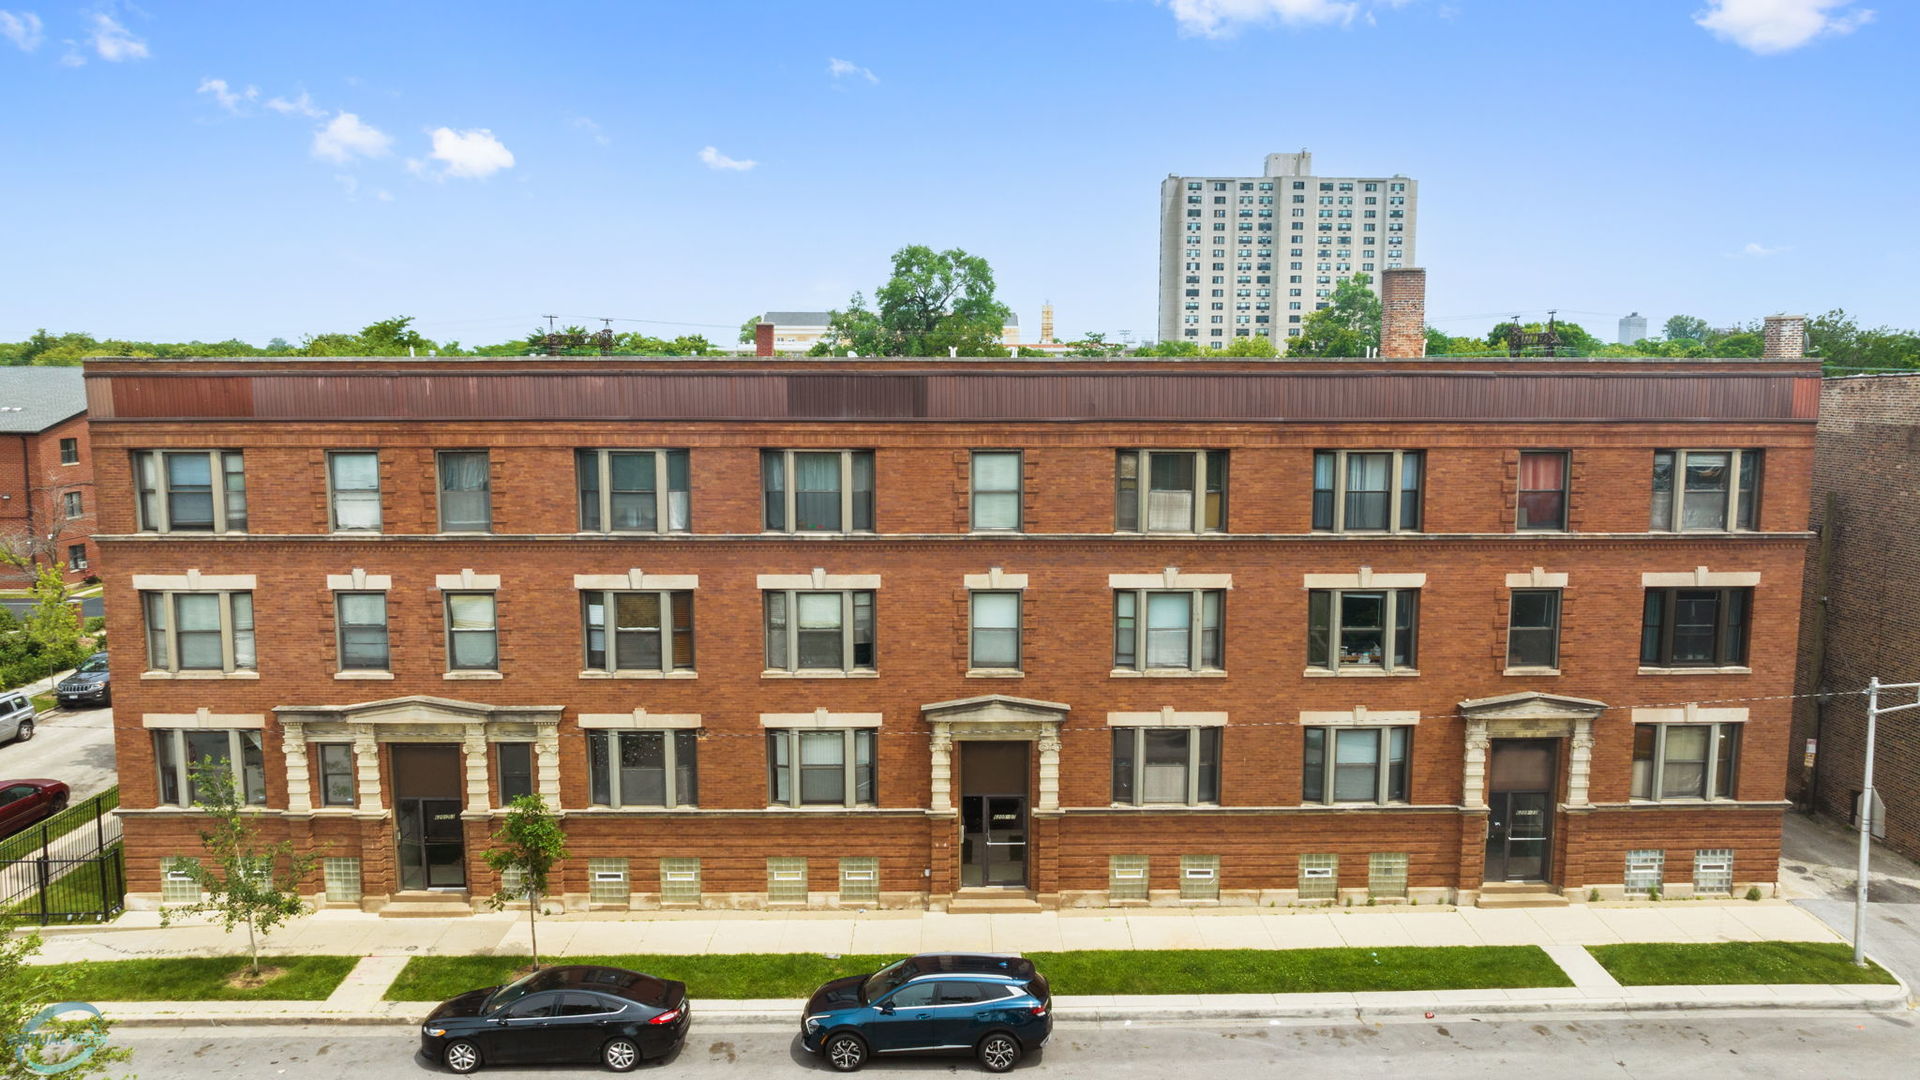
(1761, 1044)
(90, 606)
(74, 746)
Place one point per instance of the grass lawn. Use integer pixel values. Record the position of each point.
(198, 978)
(1171, 971)
(43, 703)
(1735, 962)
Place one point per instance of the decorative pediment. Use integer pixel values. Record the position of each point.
(995, 709)
(419, 709)
(1532, 705)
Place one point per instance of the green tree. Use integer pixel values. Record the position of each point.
(1686, 326)
(1173, 347)
(53, 630)
(530, 841)
(1348, 326)
(243, 880)
(1251, 345)
(747, 331)
(32, 1048)
(1837, 339)
(935, 301)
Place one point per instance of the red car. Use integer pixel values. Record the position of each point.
(25, 802)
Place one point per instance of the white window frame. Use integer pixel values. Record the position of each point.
(1389, 629)
(440, 490)
(608, 631)
(340, 630)
(492, 629)
(849, 763)
(317, 755)
(229, 635)
(1196, 615)
(183, 768)
(1396, 493)
(1383, 772)
(1138, 735)
(334, 492)
(161, 520)
(1677, 497)
(789, 492)
(671, 792)
(1019, 629)
(974, 491)
(662, 489)
(792, 630)
(1716, 731)
(1143, 487)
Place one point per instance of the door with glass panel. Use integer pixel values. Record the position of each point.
(993, 814)
(1520, 782)
(427, 802)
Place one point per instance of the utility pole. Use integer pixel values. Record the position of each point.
(1874, 686)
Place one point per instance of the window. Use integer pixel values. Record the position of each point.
(1533, 629)
(835, 768)
(353, 490)
(516, 770)
(76, 556)
(363, 631)
(472, 637)
(644, 768)
(466, 501)
(1169, 629)
(177, 751)
(1362, 629)
(1543, 490)
(819, 631)
(339, 784)
(1715, 487)
(1159, 765)
(994, 630)
(1695, 627)
(809, 491)
(1685, 761)
(1365, 765)
(1184, 491)
(651, 631)
(1375, 491)
(622, 490)
(69, 451)
(199, 631)
(178, 489)
(996, 489)
(70, 504)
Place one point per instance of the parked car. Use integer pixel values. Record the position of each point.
(28, 802)
(995, 1007)
(16, 717)
(87, 684)
(572, 1014)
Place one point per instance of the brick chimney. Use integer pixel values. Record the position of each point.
(1403, 313)
(763, 339)
(1786, 337)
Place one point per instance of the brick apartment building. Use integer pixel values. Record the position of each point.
(854, 632)
(46, 471)
(1862, 588)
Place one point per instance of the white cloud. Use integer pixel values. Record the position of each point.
(23, 29)
(717, 160)
(300, 106)
(847, 69)
(346, 137)
(1777, 26)
(587, 125)
(1221, 18)
(474, 154)
(229, 98)
(115, 42)
(1756, 251)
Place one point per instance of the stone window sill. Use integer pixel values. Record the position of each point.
(1166, 673)
(459, 676)
(681, 809)
(995, 673)
(819, 808)
(1360, 673)
(1531, 671)
(1163, 806)
(639, 675)
(773, 673)
(1696, 670)
(199, 675)
(364, 676)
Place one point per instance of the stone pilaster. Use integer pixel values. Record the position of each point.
(293, 748)
(366, 767)
(1473, 793)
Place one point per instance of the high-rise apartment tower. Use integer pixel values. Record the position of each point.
(1632, 328)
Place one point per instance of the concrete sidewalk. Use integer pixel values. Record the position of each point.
(1818, 862)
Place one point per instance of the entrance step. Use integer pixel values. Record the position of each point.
(992, 902)
(427, 905)
(1520, 894)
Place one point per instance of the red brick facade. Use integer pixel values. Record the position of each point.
(922, 552)
(37, 480)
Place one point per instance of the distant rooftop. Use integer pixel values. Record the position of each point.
(33, 399)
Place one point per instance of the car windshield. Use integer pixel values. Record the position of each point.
(514, 991)
(886, 979)
(93, 665)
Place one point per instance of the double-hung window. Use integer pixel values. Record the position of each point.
(1367, 491)
(996, 490)
(1695, 627)
(1685, 761)
(1705, 490)
(473, 639)
(191, 490)
(339, 781)
(466, 496)
(638, 631)
(70, 451)
(821, 768)
(817, 491)
(633, 490)
(1166, 765)
(176, 753)
(1355, 764)
(994, 630)
(199, 631)
(362, 622)
(1362, 629)
(1179, 491)
(71, 506)
(353, 491)
(1533, 629)
(1543, 490)
(644, 768)
(819, 631)
(1169, 629)
(516, 770)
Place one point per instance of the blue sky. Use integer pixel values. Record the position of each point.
(174, 171)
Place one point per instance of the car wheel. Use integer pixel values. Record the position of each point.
(462, 1057)
(999, 1052)
(620, 1055)
(845, 1052)
(24, 731)
(59, 802)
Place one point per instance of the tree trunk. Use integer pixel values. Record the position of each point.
(533, 924)
(253, 952)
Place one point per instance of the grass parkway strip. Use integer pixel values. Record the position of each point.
(1735, 962)
(197, 978)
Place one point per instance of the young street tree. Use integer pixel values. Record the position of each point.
(33, 1045)
(243, 881)
(530, 841)
(1348, 326)
(934, 302)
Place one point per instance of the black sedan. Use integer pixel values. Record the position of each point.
(560, 1015)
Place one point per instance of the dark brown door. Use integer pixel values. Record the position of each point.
(427, 803)
(1520, 782)
(993, 814)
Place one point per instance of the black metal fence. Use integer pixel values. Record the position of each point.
(68, 868)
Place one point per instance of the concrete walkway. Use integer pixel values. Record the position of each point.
(1818, 862)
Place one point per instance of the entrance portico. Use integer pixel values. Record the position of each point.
(1001, 820)
(1513, 772)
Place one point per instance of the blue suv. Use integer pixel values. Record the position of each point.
(995, 1007)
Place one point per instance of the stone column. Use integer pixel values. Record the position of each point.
(1473, 794)
(1580, 763)
(546, 764)
(293, 748)
(366, 764)
(479, 799)
(941, 799)
(1049, 773)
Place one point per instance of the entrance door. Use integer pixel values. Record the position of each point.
(1520, 779)
(427, 825)
(993, 814)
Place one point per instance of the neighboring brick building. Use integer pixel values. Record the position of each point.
(46, 471)
(880, 631)
(1866, 483)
